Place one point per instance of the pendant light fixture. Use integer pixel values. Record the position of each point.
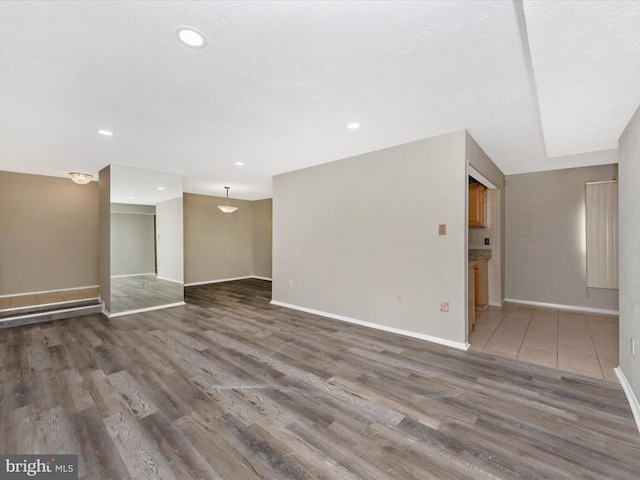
(226, 208)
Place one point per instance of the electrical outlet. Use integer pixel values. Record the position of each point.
(291, 282)
(444, 306)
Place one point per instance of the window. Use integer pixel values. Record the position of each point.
(602, 234)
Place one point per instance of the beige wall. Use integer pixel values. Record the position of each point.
(546, 262)
(218, 246)
(50, 229)
(358, 238)
(48, 233)
(262, 235)
(629, 234)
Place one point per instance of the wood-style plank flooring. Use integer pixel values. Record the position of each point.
(143, 291)
(231, 387)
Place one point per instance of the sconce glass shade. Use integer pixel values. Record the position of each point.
(80, 178)
(226, 208)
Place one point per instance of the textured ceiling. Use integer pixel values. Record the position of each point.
(537, 84)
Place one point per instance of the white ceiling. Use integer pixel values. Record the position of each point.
(537, 84)
(142, 187)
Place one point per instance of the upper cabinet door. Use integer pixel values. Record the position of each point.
(477, 205)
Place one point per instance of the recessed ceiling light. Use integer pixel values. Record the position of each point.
(191, 37)
(160, 188)
(131, 198)
(107, 133)
(353, 126)
(239, 163)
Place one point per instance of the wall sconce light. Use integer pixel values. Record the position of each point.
(80, 178)
(226, 208)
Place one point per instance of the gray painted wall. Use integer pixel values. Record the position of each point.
(48, 233)
(132, 208)
(359, 237)
(629, 231)
(132, 244)
(547, 262)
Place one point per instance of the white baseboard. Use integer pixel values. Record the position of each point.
(135, 275)
(564, 307)
(170, 280)
(49, 291)
(206, 282)
(141, 310)
(406, 333)
(262, 278)
(631, 396)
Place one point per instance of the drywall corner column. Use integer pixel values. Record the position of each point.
(104, 240)
(358, 238)
(262, 237)
(629, 255)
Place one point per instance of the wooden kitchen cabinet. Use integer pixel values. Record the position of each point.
(477, 205)
(481, 283)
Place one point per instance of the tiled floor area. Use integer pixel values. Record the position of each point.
(575, 342)
(30, 300)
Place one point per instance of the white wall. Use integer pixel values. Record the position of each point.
(358, 238)
(169, 240)
(546, 261)
(629, 231)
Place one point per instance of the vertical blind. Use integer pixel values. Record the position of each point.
(602, 234)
